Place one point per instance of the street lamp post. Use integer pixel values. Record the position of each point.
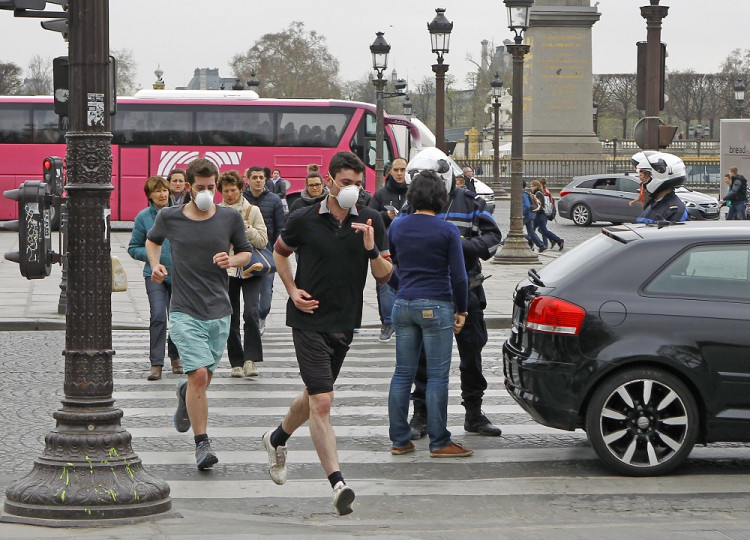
(739, 96)
(497, 93)
(653, 15)
(379, 50)
(595, 112)
(440, 35)
(88, 471)
(516, 250)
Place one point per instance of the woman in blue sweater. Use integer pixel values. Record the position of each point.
(157, 193)
(431, 302)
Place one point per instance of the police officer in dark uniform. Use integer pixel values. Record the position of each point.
(667, 172)
(480, 237)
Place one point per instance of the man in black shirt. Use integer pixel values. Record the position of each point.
(336, 242)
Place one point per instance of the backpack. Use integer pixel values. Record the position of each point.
(549, 207)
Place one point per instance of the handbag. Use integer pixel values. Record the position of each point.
(261, 263)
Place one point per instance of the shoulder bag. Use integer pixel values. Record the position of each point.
(261, 263)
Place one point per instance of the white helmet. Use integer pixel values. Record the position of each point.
(667, 170)
(433, 159)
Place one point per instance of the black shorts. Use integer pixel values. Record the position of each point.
(320, 356)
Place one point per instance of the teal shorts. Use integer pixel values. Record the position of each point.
(200, 343)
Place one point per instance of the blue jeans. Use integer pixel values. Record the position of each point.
(737, 210)
(418, 323)
(266, 293)
(159, 295)
(540, 223)
(531, 235)
(386, 297)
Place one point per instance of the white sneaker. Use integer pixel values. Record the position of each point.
(343, 497)
(276, 459)
(249, 369)
(237, 371)
(262, 326)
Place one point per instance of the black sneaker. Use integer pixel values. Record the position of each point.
(205, 456)
(386, 331)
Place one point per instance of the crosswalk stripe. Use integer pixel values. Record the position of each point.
(518, 486)
(213, 394)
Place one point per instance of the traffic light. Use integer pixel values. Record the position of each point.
(34, 254)
(52, 170)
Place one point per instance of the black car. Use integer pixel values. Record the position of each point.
(640, 337)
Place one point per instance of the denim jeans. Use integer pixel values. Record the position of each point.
(252, 349)
(386, 297)
(531, 234)
(159, 295)
(266, 293)
(540, 223)
(737, 210)
(418, 323)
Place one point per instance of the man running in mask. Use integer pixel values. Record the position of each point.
(336, 242)
(200, 234)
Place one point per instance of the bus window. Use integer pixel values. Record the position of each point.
(235, 127)
(314, 128)
(15, 124)
(370, 152)
(154, 126)
(47, 127)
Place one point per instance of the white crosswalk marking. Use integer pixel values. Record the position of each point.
(527, 459)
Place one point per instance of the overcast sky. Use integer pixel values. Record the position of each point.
(181, 35)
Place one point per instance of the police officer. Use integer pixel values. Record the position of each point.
(667, 172)
(480, 238)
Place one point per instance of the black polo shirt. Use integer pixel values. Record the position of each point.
(332, 265)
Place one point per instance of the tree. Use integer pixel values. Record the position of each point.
(291, 63)
(10, 78)
(620, 90)
(38, 81)
(422, 97)
(126, 72)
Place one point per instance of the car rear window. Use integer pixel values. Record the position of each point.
(706, 272)
(578, 258)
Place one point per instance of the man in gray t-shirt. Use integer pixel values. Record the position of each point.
(201, 235)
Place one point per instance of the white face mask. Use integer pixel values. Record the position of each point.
(204, 199)
(347, 197)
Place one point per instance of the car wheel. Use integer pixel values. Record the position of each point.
(581, 215)
(642, 422)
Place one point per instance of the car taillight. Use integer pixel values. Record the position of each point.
(554, 316)
(563, 193)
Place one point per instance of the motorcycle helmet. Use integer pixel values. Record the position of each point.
(434, 159)
(667, 170)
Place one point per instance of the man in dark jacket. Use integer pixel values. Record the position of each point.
(480, 238)
(273, 215)
(388, 200)
(737, 195)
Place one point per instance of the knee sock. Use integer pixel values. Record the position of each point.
(279, 437)
(335, 477)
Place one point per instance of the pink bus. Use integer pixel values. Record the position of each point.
(159, 130)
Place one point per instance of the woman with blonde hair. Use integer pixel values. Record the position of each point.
(243, 357)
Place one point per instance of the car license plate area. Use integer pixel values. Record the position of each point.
(712, 211)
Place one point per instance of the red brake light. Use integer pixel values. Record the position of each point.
(563, 193)
(554, 316)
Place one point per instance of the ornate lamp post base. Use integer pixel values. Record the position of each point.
(88, 475)
(515, 251)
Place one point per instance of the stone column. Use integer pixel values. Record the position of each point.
(558, 81)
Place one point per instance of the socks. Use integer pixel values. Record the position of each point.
(279, 437)
(199, 438)
(335, 477)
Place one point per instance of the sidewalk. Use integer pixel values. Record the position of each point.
(32, 304)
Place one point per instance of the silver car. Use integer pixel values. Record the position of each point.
(606, 197)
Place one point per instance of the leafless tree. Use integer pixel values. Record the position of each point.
(38, 81)
(10, 79)
(291, 63)
(126, 72)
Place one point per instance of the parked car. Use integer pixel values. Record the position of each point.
(639, 337)
(486, 192)
(605, 197)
